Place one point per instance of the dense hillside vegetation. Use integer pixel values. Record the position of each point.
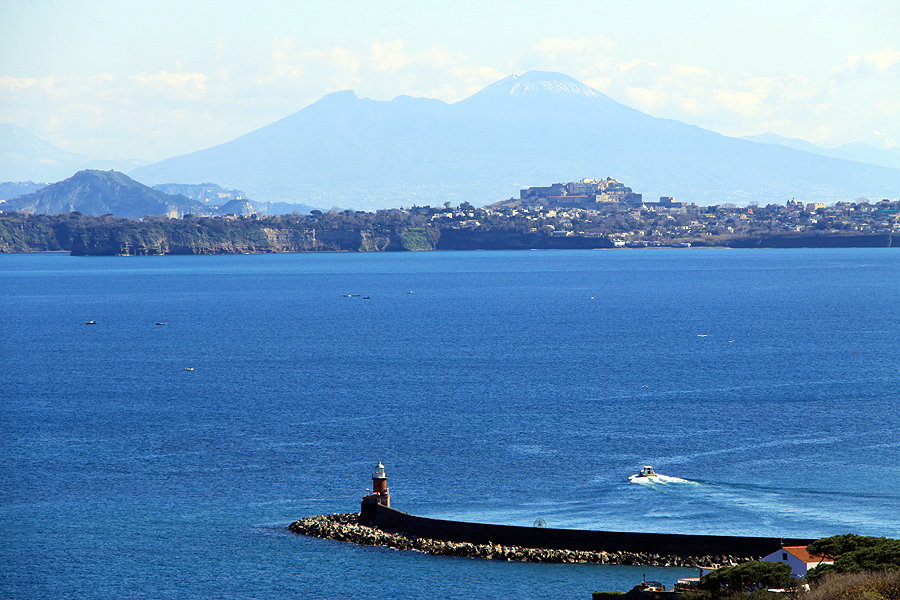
(854, 553)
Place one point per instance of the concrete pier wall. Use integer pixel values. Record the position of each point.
(573, 539)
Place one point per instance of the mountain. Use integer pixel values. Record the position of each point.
(238, 207)
(94, 192)
(14, 189)
(886, 153)
(24, 156)
(215, 195)
(862, 151)
(207, 193)
(534, 128)
(780, 140)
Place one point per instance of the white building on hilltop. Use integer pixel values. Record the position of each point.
(798, 559)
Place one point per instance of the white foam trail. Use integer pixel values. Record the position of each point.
(660, 479)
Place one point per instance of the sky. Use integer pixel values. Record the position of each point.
(153, 79)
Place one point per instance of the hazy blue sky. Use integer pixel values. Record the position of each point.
(153, 79)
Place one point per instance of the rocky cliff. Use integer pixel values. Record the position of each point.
(261, 240)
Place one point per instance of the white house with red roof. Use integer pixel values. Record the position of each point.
(798, 559)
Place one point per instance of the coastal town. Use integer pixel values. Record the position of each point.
(609, 208)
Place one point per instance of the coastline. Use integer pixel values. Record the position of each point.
(390, 232)
(346, 527)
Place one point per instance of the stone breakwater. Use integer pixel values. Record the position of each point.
(346, 527)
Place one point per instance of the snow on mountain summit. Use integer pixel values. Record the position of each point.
(539, 83)
(878, 140)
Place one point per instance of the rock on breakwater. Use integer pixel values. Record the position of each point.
(346, 527)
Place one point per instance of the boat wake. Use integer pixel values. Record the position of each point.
(659, 479)
(806, 510)
(647, 476)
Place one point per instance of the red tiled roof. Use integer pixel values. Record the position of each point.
(803, 554)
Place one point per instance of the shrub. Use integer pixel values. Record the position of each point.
(747, 577)
(867, 585)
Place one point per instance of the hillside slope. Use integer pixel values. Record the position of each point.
(104, 192)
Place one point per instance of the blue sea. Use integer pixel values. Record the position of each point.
(497, 387)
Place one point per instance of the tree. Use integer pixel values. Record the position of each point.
(836, 545)
(747, 577)
(854, 553)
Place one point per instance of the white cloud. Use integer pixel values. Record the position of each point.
(598, 83)
(635, 63)
(441, 57)
(647, 100)
(745, 103)
(380, 70)
(556, 48)
(345, 61)
(179, 85)
(693, 106)
(471, 79)
(285, 59)
(871, 63)
(795, 88)
(883, 60)
(582, 58)
(849, 64)
(689, 70)
(21, 84)
(388, 56)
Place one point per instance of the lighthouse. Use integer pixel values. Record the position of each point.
(380, 492)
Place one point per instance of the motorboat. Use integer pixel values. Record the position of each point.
(646, 471)
(648, 476)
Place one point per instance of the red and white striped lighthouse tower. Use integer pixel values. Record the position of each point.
(379, 486)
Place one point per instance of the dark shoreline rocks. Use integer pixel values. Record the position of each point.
(346, 527)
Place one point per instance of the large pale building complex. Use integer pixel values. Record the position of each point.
(583, 193)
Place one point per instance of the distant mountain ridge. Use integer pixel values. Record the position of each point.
(208, 193)
(858, 150)
(14, 189)
(230, 201)
(93, 192)
(528, 129)
(24, 156)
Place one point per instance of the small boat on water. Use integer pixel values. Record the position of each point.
(646, 471)
(648, 476)
(91, 322)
